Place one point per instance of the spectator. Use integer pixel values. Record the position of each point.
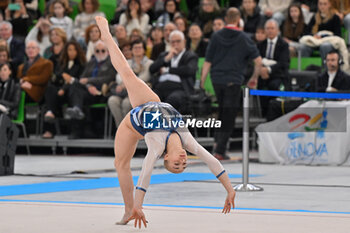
(309, 8)
(71, 65)
(177, 71)
(324, 20)
(121, 8)
(181, 24)
(133, 17)
(147, 8)
(171, 11)
(333, 79)
(156, 37)
(120, 33)
(294, 28)
(125, 47)
(10, 92)
(275, 9)
(343, 11)
(98, 71)
(16, 47)
(19, 20)
(136, 34)
(59, 18)
(89, 10)
(4, 55)
(165, 46)
(251, 16)
(275, 53)
(92, 35)
(260, 34)
(119, 103)
(227, 74)
(41, 34)
(195, 42)
(218, 24)
(35, 73)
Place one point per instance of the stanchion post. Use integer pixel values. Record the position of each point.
(245, 186)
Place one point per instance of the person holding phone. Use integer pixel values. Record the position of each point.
(16, 14)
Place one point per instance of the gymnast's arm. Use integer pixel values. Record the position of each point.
(190, 144)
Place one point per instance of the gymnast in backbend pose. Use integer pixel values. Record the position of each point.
(171, 144)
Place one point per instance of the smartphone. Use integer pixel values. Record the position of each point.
(14, 7)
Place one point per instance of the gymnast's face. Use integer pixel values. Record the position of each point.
(176, 160)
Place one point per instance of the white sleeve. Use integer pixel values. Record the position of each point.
(155, 141)
(190, 144)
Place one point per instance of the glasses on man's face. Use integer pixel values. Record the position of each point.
(100, 51)
(175, 41)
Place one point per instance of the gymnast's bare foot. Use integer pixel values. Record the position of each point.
(124, 220)
(102, 24)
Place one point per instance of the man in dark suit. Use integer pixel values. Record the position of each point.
(16, 47)
(177, 70)
(333, 79)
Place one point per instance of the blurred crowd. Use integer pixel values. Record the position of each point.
(59, 61)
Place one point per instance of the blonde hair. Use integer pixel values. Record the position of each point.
(319, 20)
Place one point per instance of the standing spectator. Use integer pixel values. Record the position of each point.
(177, 71)
(333, 79)
(59, 18)
(92, 35)
(71, 65)
(119, 103)
(181, 24)
(170, 12)
(35, 73)
(218, 24)
(195, 42)
(98, 71)
(89, 10)
(19, 19)
(120, 33)
(10, 92)
(251, 16)
(133, 17)
(275, 9)
(294, 28)
(205, 15)
(16, 47)
(41, 34)
(165, 45)
(227, 74)
(324, 20)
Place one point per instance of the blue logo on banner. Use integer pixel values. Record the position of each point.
(152, 120)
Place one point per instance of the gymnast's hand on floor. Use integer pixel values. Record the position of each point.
(139, 216)
(230, 202)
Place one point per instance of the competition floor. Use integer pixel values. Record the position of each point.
(81, 194)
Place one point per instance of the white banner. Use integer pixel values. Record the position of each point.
(315, 133)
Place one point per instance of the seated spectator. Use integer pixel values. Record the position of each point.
(125, 47)
(342, 9)
(324, 20)
(250, 13)
(19, 19)
(71, 66)
(40, 33)
(98, 71)
(275, 9)
(333, 79)
(164, 46)
(15, 46)
(118, 102)
(4, 55)
(275, 53)
(170, 12)
(136, 34)
(121, 8)
(155, 37)
(89, 10)
(147, 8)
(10, 92)
(309, 8)
(260, 34)
(133, 17)
(120, 33)
(34, 73)
(58, 17)
(92, 35)
(181, 24)
(218, 24)
(195, 42)
(294, 28)
(176, 71)
(205, 15)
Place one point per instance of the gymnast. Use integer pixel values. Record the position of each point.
(169, 143)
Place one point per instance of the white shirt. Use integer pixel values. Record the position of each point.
(331, 77)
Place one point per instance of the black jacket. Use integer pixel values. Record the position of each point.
(253, 21)
(16, 52)
(186, 70)
(10, 94)
(340, 82)
(201, 48)
(279, 71)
